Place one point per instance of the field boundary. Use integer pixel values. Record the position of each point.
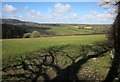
(72, 35)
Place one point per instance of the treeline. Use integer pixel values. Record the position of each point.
(12, 31)
(18, 31)
(13, 28)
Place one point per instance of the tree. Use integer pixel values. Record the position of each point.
(35, 34)
(27, 35)
(114, 71)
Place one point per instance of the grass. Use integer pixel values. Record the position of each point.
(68, 30)
(92, 68)
(99, 66)
(17, 47)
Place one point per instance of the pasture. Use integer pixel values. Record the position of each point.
(18, 47)
(79, 48)
(68, 30)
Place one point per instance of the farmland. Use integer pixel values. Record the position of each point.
(62, 51)
(17, 47)
(65, 48)
(17, 29)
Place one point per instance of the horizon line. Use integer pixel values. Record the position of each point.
(55, 22)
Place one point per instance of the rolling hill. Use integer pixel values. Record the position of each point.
(13, 28)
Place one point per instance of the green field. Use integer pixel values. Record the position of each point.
(60, 50)
(68, 30)
(17, 47)
(71, 30)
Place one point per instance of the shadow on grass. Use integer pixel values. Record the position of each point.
(32, 69)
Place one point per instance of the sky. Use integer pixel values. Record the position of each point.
(58, 12)
(50, 0)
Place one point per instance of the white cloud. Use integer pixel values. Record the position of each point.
(110, 0)
(74, 15)
(97, 17)
(11, 11)
(61, 13)
(26, 8)
(62, 8)
(15, 16)
(112, 10)
(9, 8)
(0, 10)
(49, 10)
(106, 0)
(33, 14)
(0, 15)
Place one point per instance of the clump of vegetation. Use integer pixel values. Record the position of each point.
(35, 34)
(27, 35)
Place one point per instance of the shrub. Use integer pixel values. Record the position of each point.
(27, 35)
(35, 34)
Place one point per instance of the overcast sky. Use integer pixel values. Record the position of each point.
(58, 12)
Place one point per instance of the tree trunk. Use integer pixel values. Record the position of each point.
(113, 72)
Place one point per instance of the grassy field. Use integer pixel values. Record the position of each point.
(94, 68)
(66, 49)
(68, 30)
(17, 47)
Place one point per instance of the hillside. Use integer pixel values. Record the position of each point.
(13, 28)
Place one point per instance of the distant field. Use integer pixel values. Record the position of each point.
(68, 30)
(17, 47)
(52, 30)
